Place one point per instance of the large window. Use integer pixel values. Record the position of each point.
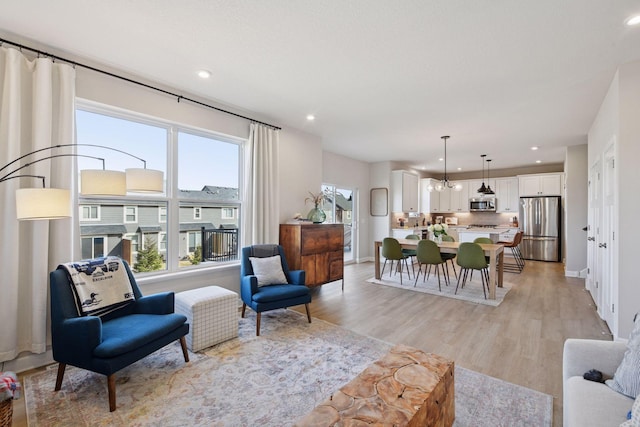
(194, 221)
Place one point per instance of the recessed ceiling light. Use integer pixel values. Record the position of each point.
(441, 159)
(634, 20)
(311, 117)
(459, 169)
(534, 148)
(204, 74)
(538, 161)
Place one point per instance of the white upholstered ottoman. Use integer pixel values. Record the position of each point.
(212, 313)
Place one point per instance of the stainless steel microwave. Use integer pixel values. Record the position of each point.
(482, 204)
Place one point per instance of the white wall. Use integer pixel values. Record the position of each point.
(627, 165)
(299, 170)
(345, 172)
(619, 119)
(576, 177)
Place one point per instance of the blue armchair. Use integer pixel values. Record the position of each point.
(272, 296)
(109, 343)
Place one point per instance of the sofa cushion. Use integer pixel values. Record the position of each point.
(279, 292)
(592, 404)
(268, 270)
(626, 380)
(128, 333)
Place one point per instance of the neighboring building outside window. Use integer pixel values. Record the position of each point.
(135, 242)
(227, 213)
(197, 213)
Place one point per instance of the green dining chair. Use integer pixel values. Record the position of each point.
(411, 253)
(471, 257)
(428, 254)
(391, 250)
(483, 240)
(449, 256)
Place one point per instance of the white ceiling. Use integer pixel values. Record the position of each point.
(384, 78)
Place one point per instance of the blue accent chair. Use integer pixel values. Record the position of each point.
(109, 343)
(271, 297)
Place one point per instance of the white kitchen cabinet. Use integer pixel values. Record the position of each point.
(459, 199)
(548, 184)
(405, 191)
(450, 200)
(507, 196)
(429, 200)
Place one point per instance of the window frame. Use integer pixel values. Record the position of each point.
(105, 244)
(81, 207)
(124, 213)
(224, 209)
(160, 215)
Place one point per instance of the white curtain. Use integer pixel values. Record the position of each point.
(261, 197)
(36, 111)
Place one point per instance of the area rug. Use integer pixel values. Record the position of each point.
(271, 380)
(472, 291)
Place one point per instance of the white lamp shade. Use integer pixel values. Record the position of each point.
(98, 182)
(42, 203)
(144, 180)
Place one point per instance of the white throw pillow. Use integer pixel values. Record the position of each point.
(268, 270)
(626, 380)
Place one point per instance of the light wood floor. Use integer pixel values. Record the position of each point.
(520, 341)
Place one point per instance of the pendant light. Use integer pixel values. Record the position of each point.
(489, 190)
(482, 188)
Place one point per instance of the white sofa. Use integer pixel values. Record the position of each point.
(587, 403)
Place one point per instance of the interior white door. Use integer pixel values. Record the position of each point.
(593, 221)
(607, 246)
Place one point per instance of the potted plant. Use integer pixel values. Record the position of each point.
(316, 215)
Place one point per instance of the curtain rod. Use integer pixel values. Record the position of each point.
(157, 89)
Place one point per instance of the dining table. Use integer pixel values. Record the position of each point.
(493, 250)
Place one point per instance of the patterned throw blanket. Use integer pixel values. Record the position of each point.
(100, 285)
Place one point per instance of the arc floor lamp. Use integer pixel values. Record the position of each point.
(54, 203)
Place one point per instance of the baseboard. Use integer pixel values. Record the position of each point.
(29, 361)
(582, 274)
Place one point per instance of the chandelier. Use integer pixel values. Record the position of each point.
(444, 183)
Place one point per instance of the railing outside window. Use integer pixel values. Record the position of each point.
(219, 244)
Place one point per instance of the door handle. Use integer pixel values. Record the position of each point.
(591, 239)
(602, 245)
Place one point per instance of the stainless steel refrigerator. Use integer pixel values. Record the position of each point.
(540, 223)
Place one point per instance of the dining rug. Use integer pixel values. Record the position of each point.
(270, 380)
(472, 291)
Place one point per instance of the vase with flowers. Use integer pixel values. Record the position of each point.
(438, 230)
(316, 215)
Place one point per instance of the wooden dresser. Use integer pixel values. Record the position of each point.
(318, 249)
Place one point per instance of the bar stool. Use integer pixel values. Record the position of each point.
(514, 245)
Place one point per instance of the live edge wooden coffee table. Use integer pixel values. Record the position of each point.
(406, 387)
